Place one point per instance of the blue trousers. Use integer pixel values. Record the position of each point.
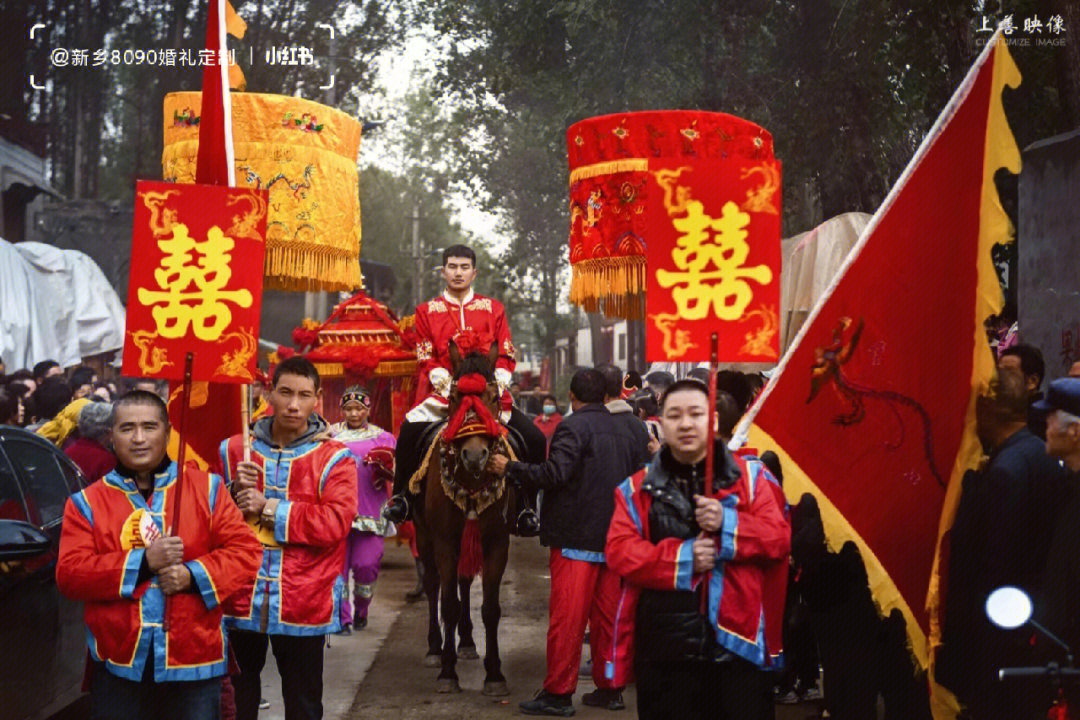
(114, 698)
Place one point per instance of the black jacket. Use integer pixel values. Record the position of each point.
(670, 626)
(591, 453)
(623, 413)
(1001, 536)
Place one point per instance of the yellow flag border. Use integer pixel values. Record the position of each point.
(1000, 151)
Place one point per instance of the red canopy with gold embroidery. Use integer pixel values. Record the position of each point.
(613, 189)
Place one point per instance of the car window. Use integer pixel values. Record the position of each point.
(12, 506)
(72, 475)
(42, 477)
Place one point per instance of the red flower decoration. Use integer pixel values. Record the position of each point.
(304, 337)
(361, 365)
(285, 352)
(470, 341)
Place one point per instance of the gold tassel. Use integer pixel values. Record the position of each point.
(615, 286)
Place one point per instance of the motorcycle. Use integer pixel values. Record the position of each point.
(1010, 608)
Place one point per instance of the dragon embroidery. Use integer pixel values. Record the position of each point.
(676, 341)
(152, 360)
(827, 371)
(235, 364)
(762, 199)
(252, 178)
(759, 341)
(162, 218)
(244, 225)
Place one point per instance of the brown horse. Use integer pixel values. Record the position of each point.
(459, 468)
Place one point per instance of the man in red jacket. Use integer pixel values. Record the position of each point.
(678, 546)
(152, 592)
(299, 493)
(438, 321)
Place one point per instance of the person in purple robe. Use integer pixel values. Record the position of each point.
(372, 447)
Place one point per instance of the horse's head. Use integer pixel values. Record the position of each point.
(474, 407)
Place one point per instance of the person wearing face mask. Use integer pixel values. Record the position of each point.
(708, 573)
(364, 549)
(549, 418)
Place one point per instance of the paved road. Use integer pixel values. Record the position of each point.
(378, 673)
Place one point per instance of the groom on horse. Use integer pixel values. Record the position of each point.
(438, 320)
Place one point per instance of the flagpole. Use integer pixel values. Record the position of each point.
(710, 454)
(245, 419)
(174, 525)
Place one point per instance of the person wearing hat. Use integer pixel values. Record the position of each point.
(1001, 536)
(1060, 610)
(373, 449)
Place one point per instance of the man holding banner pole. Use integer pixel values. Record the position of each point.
(298, 492)
(136, 579)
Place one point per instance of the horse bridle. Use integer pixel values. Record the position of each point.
(470, 500)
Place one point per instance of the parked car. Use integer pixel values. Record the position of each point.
(42, 632)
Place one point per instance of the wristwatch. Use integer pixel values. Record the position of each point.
(269, 511)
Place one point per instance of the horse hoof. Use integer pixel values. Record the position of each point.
(432, 661)
(468, 653)
(448, 685)
(495, 689)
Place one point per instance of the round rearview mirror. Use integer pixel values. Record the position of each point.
(1008, 607)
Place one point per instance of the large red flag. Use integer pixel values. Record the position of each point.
(872, 408)
(214, 411)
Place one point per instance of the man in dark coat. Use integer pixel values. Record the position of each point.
(622, 411)
(591, 453)
(1059, 611)
(1001, 536)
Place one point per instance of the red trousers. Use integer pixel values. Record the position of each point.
(588, 593)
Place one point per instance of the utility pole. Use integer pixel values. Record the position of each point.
(418, 257)
(315, 303)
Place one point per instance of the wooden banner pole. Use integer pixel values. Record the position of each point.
(710, 458)
(185, 398)
(245, 419)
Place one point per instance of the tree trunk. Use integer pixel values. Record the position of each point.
(596, 324)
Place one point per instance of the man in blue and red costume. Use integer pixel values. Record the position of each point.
(153, 591)
(456, 310)
(299, 493)
(709, 571)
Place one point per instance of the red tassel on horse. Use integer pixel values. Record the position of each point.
(471, 559)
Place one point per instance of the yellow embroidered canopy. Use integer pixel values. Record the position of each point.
(304, 155)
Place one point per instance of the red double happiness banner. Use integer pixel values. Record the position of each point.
(713, 259)
(196, 281)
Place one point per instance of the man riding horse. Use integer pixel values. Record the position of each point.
(438, 320)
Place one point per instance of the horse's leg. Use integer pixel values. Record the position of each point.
(496, 540)
(466, 645)
(434, 637)
(431, 589)
(446, 557)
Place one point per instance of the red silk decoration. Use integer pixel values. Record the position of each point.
(472, 416)
(361, 365)
(470, 341)
(303, 337)
(472, 384)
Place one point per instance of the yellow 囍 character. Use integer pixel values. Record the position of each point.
(711, 254)
(192, 290)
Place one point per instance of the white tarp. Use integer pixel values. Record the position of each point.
(811, 259)
(54, 305)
